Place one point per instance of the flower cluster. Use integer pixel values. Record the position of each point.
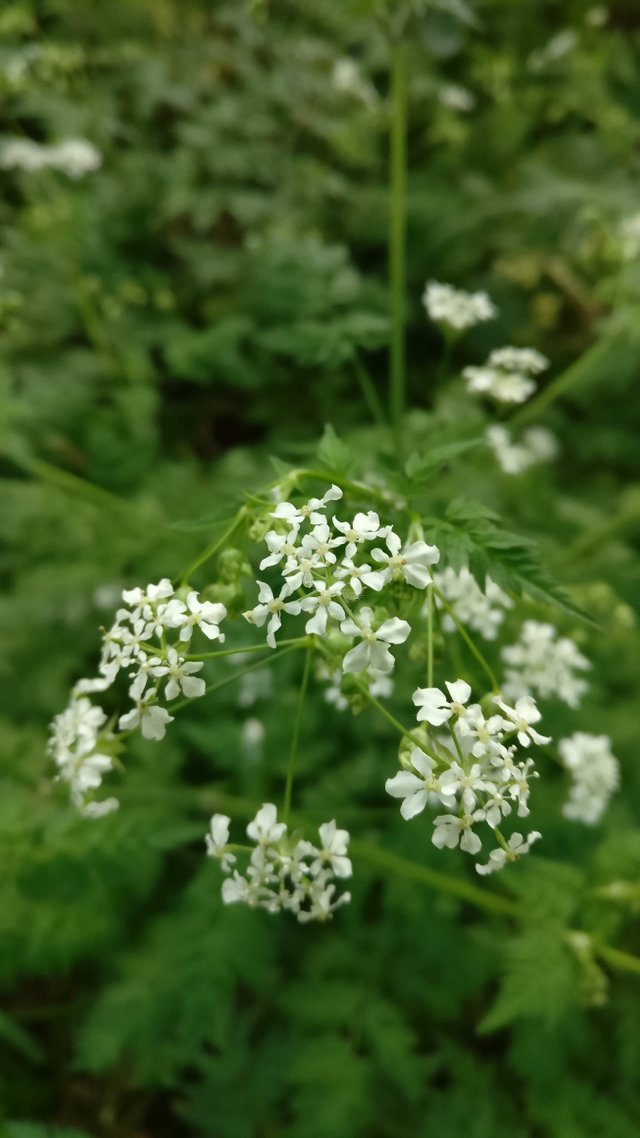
(481, 610)
(536, 445)
(544, 664)
(506, 377)
(74, 157)
(284, 872)
(456, 308)
(81, 746)
(138, 644)
(325, 567)
(594, 773)
(474, 773)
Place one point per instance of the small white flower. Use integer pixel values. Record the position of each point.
(454, 307)
(503, 386)
(450, 830)
(281, 546)
(469, 784)
(323, 605)
(364, 527)
(270, 609)
(356, 576)
(436, 709)
(411, 563)
(521, 719)
(518, 846)
(333, 852)
(418, 790)
(205, 615)
(526, 360)
(180, 676)
(594, 773)
(296, 515)
(99, 809)
(217, 841)
(544, 663)
(480, 611)
(149, 717)
(373, 651)
(265, 827)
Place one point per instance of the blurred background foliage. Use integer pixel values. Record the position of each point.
(211, 296)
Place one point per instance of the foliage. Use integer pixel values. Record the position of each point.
(213, 295)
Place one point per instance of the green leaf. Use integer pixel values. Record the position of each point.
(471, 534)
(420, 467)
(333, 454)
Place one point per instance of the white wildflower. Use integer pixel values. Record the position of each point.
(455, 308)
(180, 675)
(418, 790)
(270, 608)
(517, 847)
(451, 830)
(148, 716)
(544, 664)
(411, 563)
(323, 604)
(373, 650)
(296, 515)
(594, 772)
(481, 611)
(521, 719)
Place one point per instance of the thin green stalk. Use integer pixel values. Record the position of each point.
(394, 863)
(623, 961)
(293, 754)
(468, 641)
(236, 676)
(430, 638)
(213, 547)
(561, 383)
(370, 395)
(393, 721)
(397, 240)
(298, 641)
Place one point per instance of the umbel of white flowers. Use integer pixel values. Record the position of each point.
(284, 873)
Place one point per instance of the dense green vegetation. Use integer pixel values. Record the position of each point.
(178, 325)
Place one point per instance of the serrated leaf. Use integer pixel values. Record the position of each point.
(470, 534)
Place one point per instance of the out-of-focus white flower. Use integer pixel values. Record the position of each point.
(544, 664)
(480, 611)
(74, 157)
(536, 445)
(456, 308)
(594, 772)
(456, 98)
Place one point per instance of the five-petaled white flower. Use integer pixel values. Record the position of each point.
(265, 828)
(323, 605)
(418, 790)
(180, 676)
(520, 719)
(373, 649)
(149, 717)
(204, 615)
(296, 515)
(411, 563)
(333, 851)
(436, 709)
(451, 830)
(270, 608)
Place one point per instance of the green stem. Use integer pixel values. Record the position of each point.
(623, 961)
(393, 863)
(293, 754)
(298, 642)
(393, 721)
(236, 676)
(430, 638)
(468, 641)
(397, 240)
(371, 397)
(213, 547)
(561, 383)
